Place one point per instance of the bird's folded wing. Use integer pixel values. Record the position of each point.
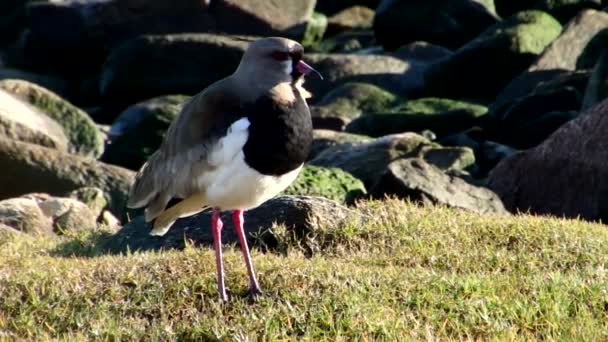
(196, 142)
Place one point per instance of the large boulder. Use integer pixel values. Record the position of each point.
(491, 60)
(81, 33)
(565, 175)
(298, 214)
(23, 122)
(419, 181)
(139, 130)
(84, 136)
(28, 168)
(149, 66)
(448, 23)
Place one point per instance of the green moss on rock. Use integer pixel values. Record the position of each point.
(352, 99)
(332, 183)
(83, 135)
(315, 29)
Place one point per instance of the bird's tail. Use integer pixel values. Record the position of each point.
(190, 206)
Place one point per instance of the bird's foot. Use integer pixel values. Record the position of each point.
(255, 292)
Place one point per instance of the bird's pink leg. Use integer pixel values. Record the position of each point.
(237, 219)
(216, 231)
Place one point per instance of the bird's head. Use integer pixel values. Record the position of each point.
(275, 59)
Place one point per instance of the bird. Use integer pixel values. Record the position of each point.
(233, 146)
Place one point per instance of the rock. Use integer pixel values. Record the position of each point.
(331, 7)
(441, 116)
(563, 10)
(83, 32)
(332, 183)
(368, 160)
(150, 66)
(507, 8)
(23, 214)
(139, 130)
(525, 83)
(597, 87)
(57, 85)
(528, 120)
(565, 51)
(346, 42)
(68, 215)
(92, 197)
(414, 179)
(30, 168)
(389, 73)
(592, 52)
(490, 153)
(20, 121)
(348, 101)
(315, 30)
(494, 58)
(421, 51)
(83, 135)
(299, 214)
(352, 18)
(12, 19)
(447, 23)
(563, 176)
(324, 138)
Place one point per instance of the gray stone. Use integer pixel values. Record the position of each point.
(23, 214)
(415, 179)
(23, 122)
(389, 73)
(564, 52)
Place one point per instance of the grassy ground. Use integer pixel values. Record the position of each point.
(413, 273)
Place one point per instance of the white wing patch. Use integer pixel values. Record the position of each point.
(231, 144)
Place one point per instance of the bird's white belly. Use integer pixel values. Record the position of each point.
(238, 186)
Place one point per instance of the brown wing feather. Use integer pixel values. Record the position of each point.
(172, 170)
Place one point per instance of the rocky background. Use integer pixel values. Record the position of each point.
(493, 106)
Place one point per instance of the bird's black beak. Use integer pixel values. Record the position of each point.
(306, 69)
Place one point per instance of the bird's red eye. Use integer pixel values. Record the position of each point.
(280, 55)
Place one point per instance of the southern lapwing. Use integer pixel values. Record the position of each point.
(233, 146)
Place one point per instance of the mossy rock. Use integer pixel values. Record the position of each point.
(484, 66)
(315, 29)
(84, 136)
(331, 183)
(352, 99)
(434, 105)
(140, 129)
(439, 115)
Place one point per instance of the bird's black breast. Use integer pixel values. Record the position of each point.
(280, 135)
